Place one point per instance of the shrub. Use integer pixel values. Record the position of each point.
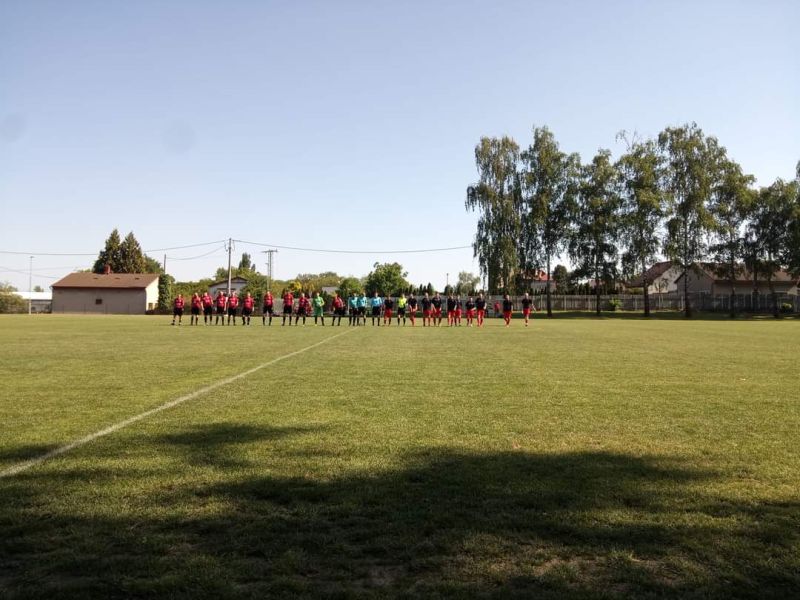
(614, 304)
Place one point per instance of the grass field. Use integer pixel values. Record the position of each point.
(580, 457)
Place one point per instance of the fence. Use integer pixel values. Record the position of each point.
(635, 302)
(700, 301)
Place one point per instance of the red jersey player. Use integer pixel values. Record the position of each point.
(288, 302)
(303, 306)
(233, 305)
(268, 309)
(208, 308)
(177, 309)
(197, 305)
(221, 302)
(248, 302)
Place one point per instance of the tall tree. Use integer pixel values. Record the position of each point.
(561, 279)
(643, 206)
(730, 206)
(467, 282)
(246, 263)
(110, 254)
(593, 245)
(387, 278)
(349, 285)
(772, 214)
(549, 179)
(131, 257)
(792, 251)
(496, 198)
(691, 161)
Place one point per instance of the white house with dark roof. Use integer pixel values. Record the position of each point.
(237, 283)
(107, 293)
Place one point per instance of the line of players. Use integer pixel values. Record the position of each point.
(355, 308)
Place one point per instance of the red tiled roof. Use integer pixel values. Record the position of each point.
(112, 280)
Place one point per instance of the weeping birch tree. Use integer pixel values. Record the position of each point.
(496, 199)
(642, 206)
(549, 179)
(593, 244)
(691, 160)
(731, 204)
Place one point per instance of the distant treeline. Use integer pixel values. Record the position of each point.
(678, 195)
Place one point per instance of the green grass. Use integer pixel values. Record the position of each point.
(611, 457)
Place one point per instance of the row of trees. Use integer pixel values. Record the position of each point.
(678, 195)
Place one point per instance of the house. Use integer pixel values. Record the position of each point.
(40, 301)
(106, 293)
(662, 278)
(536, 281)
(237, 283)
(709, 278)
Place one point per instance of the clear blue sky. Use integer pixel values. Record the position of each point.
(348, 124)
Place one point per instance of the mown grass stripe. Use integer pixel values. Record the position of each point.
(28, 464)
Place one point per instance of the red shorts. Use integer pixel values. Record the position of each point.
(458, 313)
(437, 312)
(387, 313)
(471, 313)
(526, 311)
(426, 314)
(451, 314)
(506, 314)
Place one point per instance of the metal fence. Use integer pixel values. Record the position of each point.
(761, 303)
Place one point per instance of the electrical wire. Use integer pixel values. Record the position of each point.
(96, 253)
(332, 251)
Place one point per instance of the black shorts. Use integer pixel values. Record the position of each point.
(339, 311)
(301, 312)
(268, 309)
(362, 310)
(287, 309)
(195, 310)
(401, 312)
(207, 310)
(220, 310)
(177, 312)
(232, 311)
(246, 312)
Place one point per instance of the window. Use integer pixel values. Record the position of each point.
(98, 301)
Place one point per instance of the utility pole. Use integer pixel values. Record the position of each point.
(30, 287)
(165, 264)
(269, 254)
(230, 249)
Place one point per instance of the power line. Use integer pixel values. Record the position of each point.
(96, 253)
(332, 251)
(26, 272)
(196, 257)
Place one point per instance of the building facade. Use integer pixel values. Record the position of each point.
(110, 293)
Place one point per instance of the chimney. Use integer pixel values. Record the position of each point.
(107, 269)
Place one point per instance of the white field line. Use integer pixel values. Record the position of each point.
(24, 466)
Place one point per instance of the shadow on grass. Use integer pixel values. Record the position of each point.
(446, 524)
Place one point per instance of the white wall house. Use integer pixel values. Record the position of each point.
(112, 293)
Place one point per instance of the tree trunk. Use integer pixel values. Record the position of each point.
(733, 287)
(646, 285)
(686, 267)
(547, 288)
(687, 308)
(597, 286)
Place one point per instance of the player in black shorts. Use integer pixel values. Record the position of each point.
(412, 310)
(436, 301)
